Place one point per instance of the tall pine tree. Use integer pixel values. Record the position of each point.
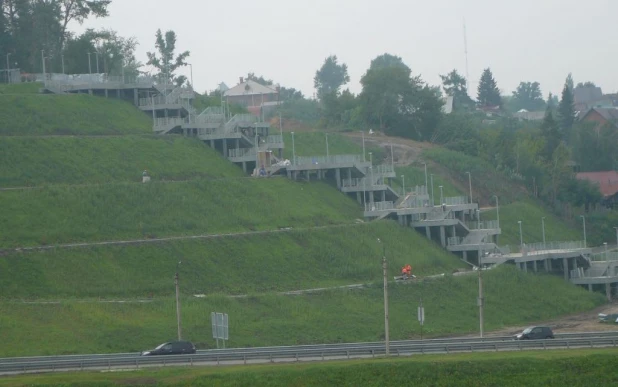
(550, 131)
(488, 92)
(566, 109)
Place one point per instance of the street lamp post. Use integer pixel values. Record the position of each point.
(89, 64)
(521, 237)
(97, 55)
(191, 66)
(425, 177)
(441, 196)
(584, 222)
(616, 228)
(371, 175)
(363, 133)
(8, 67)
(43, 60)
(470, 185)
(326, 135)
(385, 275)
(392, 157)
(62, 59)
(178, 303)
(433, 202)
(293, 151)
(497, 210)
(543, 227)
(605, 245)
(403, 183)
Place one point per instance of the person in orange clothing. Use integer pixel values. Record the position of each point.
(406, 271)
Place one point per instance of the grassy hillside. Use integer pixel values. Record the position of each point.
(587, 367)
(28, 115)
(60, 214)
(21, 88)
(32, 161)
(331, 316)
(233, 265)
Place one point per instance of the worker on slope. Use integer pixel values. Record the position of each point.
(406, 271)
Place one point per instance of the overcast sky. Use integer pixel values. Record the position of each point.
(288, 40)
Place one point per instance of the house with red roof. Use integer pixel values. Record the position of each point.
(607, 182)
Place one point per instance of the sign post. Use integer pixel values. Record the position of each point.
(219, 327)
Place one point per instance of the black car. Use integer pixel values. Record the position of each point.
(172, 348)
(535, 333)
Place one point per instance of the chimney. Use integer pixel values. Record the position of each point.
(241, 80)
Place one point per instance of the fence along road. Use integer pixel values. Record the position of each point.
(306, 352)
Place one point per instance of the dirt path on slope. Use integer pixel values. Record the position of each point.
(405, 151)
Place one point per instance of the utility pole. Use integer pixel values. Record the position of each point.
(43, 61)
(480, 300)
(363, 133)
(326, 135)
(178, 303)
(385, 274)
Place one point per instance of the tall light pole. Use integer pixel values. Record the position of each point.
(433, 202)
(470, 184)
(371, 174)
(8, 67)
(363, 133)
(425, 164)
(584, 221)
(293, 151)
(480, 300)
(403, 183)
(543, 228)
(441, 196)
(191, 66)
(385, 274)
(97, 56)
(497, 210)
(392, 156)
(43, 60)
(605, 245)
(326, 135)
(62, 59)
(178, 303)
(89, 65)
(521, 237)
(616, 228)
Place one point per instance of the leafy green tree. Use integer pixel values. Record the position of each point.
(397, 102)
(566, 108)
(330, 77)
(488, 92)
(528, 96)
(456, 86)
(79, 10)
(165, 62)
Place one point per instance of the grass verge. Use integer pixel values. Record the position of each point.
(586, 367)
(264, 320)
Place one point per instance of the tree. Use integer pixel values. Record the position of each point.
(528, 96)
(550, 131)
(79, 10)
(330, 77)
(566, 109)
(456, 86)
(261, 80)
(397, 102)
(165, 62)
(488, 92)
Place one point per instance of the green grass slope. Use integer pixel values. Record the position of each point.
(28, 115)
(279, 261)
(587, 367)
(325, 317)
(62, 214)
(21, 88)
(32, 161)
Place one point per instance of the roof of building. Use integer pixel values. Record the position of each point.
(523, 114)
(249, 87)
(607, 181)
(587, 94)
(610, 114)
(447, 108)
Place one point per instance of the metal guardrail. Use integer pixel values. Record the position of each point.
(379, 206)
(241, 152)
(309, 352)
(336, 159)
(605, 256)
(483, 225)
(456, 200)
(163, 122)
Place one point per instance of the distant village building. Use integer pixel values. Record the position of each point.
(257, 98)
(601, 116)
(607, 182)
(525, 115)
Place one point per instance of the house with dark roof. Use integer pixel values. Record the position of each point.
(254, 96)
(607, 182)
(601, 116)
